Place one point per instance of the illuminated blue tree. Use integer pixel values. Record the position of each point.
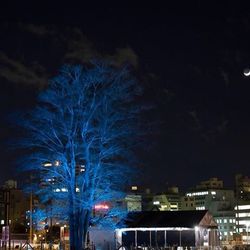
(80, 139)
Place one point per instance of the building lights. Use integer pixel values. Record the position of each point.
(200, 208)
(244, 222)
(48, 164)
(57, 163)
(242, 207)
(173, 206)
(134, 188)
(243, 215)
(197, 193)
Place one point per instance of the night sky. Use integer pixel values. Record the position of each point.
(190, 60)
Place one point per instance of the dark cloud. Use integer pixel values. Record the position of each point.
(124, 55)
(17, 72)
(61, 45)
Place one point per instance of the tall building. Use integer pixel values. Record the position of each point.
(242, 187)
(14, 205)
(242, 207)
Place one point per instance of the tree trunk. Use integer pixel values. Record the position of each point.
(72, 232)
(85, 226)
(79, 224)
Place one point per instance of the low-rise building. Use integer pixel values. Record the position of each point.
(168, 201)
(162, 229)
(226, 224)
(210, 195)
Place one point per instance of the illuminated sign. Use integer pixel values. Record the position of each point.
(101, 207)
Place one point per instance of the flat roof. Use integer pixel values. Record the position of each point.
(163, 219)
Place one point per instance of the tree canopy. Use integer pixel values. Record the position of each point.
(79, 142)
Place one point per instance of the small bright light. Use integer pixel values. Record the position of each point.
(134, 188)
(156, 203)
(57, 163)
(2, 222)
(47, 164)
(196, 228)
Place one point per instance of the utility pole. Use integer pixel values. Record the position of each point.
(31, 221)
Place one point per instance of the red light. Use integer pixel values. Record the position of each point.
(101, 207)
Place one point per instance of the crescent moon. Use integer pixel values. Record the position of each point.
(246, 72)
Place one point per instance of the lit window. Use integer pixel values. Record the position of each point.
(197, 193)
(243, 215)
(225, 233)
(47, 164)
(57, 163)
(244, 222)
(173, 206)
(200, 208)
(225, 220)
(82, 168)
(134, 188)
(242, 207)
(156, 203)
(230, 221)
